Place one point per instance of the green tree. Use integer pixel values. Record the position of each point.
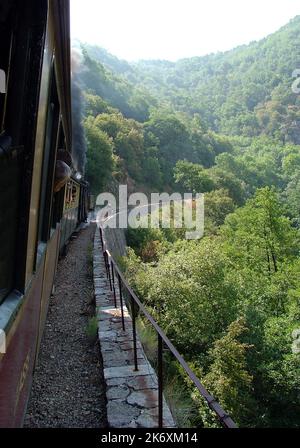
(228, 378)
(192, 177)
(291, 198)
(218, 204)
(95, 105)
(188, 291)
(227, 181)
(258, 235)
(99, 156)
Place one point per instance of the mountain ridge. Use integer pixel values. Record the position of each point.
(244, 91)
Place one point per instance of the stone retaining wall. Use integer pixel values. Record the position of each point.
(132, 396)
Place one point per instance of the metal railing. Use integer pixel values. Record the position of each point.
(113, 271)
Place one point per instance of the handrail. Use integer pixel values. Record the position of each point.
(111, 267)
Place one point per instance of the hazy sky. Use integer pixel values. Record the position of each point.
(173, 29)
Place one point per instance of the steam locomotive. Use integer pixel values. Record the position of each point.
(43, 196)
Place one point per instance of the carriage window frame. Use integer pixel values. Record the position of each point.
(49, 161)
(58, 197)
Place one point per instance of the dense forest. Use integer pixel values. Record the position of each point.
(227, 125)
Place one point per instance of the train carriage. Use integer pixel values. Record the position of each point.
(39, 208)
(70, 212)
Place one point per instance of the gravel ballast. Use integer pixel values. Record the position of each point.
(68, 388)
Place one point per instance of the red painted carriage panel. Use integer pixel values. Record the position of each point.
(16, 366)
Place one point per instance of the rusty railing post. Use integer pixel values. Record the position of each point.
(101, 238)
(136, 368)
(113, 283)
(108, 270)
(105, 263)
(160, 379)
(121, 302)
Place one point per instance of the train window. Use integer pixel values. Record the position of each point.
(10, 174)
(22, 28)
(50, 148)
(2, 81)
(59, 196)
(57, 208)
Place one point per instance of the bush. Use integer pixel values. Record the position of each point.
(92, 329)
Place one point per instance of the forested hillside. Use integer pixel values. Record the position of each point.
(245, 91)
(227, 125)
